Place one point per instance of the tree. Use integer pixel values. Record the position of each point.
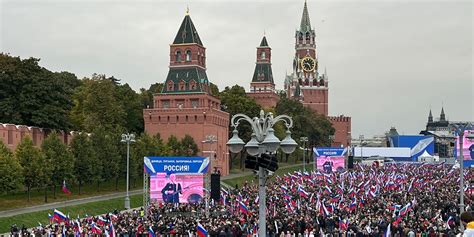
(60, 158)
(32, 95)
(306, 122)
(188, 146)
(174, 145)
(11, 178)
(84, 157)
(234, 100)
(97, 101)
(145, 146)
(36, 169)
(107, 156)
(132, 105)
(214, 90)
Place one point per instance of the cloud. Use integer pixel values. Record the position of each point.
(388, 61)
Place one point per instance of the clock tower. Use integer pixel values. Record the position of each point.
(308, 85)
(305, 83)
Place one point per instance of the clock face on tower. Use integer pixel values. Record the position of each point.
(308, 64)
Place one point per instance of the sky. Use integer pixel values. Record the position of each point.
(388, 62)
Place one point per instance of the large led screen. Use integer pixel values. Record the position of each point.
(330, 163)
(176, 188)
(468, 146)
(330, 159)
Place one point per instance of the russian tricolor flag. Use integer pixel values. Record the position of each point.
(388, 232)
(243, 208)
(201, 232)
(101, 220)
(302, 192)
(450, 222)
(59, 216)
(151, 232)
(327, 189)
(325, 210)
(111, 230)
(353, 205)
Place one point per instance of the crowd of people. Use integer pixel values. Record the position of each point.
(395, 200)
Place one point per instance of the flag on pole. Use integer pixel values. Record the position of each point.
(302, 192)
(111, 230)
(388, 232)
(243, 208)
(201, 232)
(151, 232)
(50, 217)
(65, 189)
(59, 216)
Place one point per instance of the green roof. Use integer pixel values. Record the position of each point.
(187, 33)
(264, 42)
(305, 25)
(186, 75)
(263, 73)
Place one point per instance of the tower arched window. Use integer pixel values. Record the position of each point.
(262, 55)
(321, 82)
(170, 86)
(188, 55)
(178, 56)
(307, 35)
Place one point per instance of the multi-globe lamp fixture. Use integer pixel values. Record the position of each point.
(262, 141)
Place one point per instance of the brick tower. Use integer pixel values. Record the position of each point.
(307, 85)
(185, 105)
(262, 87)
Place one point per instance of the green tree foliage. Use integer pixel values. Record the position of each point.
(174, 146)
(188, 146)
(214, 90)
(132, 105)
(306, 123)
(36, 170)
(145, 146)
(84, 158)
(11, 178)
(234, 101)
(96, 102)
(147, 95)
(33, 95)
(102, 100)
(62, 162)
(107, 156)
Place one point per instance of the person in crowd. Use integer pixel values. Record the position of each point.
(405, 199)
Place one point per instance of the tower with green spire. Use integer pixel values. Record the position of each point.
(187, 68)
(262, 87)
(310, 86)
(185, 105)
(305, 83)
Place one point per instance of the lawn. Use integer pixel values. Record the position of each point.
(20, 199)
(240, 180)
(93, 208)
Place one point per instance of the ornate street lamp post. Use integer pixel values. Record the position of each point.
(263, 140)
(460, 129)
(128, 138)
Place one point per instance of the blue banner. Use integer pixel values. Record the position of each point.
(176, 165)
(329, 151)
